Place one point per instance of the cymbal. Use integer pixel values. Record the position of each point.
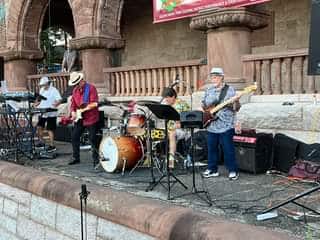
(144, 102)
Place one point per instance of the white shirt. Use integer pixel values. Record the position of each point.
(52, 94)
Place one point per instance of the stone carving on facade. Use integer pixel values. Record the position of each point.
(230, 17)
(11, 55)
(92, 42)
(108, 18)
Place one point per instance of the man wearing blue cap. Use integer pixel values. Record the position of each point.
(221, 129)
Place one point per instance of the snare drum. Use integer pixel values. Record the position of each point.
(115, 150)
(136, 124)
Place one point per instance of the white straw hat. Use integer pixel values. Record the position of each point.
(217, 71)
(75, 78)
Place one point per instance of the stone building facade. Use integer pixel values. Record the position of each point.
(121, 33)
(126, 55)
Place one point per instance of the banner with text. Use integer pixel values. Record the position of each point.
(168, 10)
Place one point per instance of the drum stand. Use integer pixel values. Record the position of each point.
(167, 113)
(149, 155)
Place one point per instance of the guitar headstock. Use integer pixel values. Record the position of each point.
(249, 89)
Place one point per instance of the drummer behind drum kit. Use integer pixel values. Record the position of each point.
(126, 147)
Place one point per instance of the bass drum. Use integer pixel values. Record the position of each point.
(115, 150)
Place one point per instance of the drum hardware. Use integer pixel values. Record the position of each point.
(150, 150)
(166, 113)
(124, 164)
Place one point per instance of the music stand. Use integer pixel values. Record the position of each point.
(165, 112)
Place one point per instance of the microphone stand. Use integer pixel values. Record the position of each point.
(83, 198)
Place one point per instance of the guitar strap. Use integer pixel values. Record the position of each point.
(86, 93)
(223, 93)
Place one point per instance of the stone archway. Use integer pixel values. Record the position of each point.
(96, 26)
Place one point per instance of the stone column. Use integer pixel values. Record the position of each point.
(17, 66)
(95, 53)
(228, 37)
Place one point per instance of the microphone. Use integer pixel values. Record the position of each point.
(176, 81)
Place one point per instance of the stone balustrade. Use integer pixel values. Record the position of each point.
(149, 80)
(59, 80)
(279, 73)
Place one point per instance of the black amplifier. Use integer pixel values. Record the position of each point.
(253, 151)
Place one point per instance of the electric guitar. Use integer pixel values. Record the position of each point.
(89, 107)
(209, 113)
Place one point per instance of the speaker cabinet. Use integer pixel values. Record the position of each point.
(314, 46)
(254, 152)
(285, 152)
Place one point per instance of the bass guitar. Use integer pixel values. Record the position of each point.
(209, 113)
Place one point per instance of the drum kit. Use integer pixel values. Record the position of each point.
(127, 146)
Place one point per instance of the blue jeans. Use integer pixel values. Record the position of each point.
(225, 139)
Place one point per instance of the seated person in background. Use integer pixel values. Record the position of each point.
(70, 60)
(47, 120)
(175, 133)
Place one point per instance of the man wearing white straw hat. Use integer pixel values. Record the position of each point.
(85, 114)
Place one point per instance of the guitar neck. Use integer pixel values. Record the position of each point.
(224, 104)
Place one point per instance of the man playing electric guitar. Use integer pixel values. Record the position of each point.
(85, 114)
(221, 129)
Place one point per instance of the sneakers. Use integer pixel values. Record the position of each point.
(51, 149)
(40, 145)
(233, 176)
(209, 173)
(73, 161)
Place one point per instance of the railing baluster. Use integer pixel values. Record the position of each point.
(195, 75)
(138, 81)
(127, 80)
(297, 71)
(155, 82)
(181, 83)
(258, 76)
(143, 82)
(187, 81)
(161, 80)
(266, 77)
(122, 87)
(118, 84)
(133, 83)
(276, 76)
(287, 76)
(173, 75)
(167, 77)
(149, 82)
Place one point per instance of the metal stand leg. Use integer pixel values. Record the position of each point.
(194, 190)
(293, 200)
(169, 172)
